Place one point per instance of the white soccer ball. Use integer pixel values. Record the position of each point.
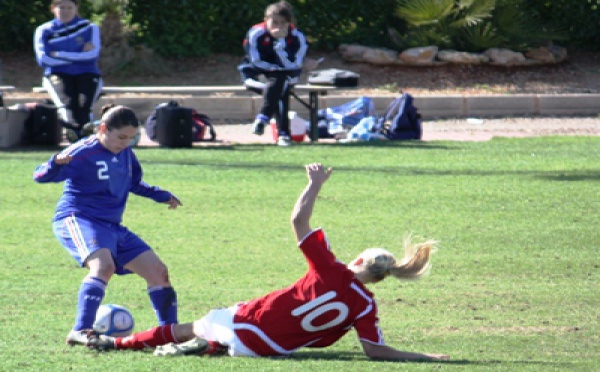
(114, 320)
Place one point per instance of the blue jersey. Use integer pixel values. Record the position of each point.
(68, 41)
(97, 182)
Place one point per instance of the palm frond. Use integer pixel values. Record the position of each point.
(481, 37)
(473, 12)
(424, 12)
(521, 29)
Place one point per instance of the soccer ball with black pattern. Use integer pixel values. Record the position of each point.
(114, 320)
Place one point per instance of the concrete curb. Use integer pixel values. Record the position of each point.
(244, 107)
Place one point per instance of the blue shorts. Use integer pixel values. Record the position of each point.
(83, 236)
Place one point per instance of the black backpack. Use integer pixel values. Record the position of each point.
(402, 120)
(41, 128)
(199, 123)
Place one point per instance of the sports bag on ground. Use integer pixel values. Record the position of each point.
(335, 77)
(41, 127)
(340, 119)
(200, 123)
(402, 120)
(175, 126)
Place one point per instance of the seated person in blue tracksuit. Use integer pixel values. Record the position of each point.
(275, 50)
(68, 47)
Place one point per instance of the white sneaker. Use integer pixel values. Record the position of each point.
(196, 346)
(79, 337)
(284, 141)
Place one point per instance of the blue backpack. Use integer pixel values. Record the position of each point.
(401, 120)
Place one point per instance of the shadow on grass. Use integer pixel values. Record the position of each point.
(354, 356)
(558, 176)
(256, 147)
(263, 147)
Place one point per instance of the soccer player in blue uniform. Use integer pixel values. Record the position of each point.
(99, 173)
(274, 49)
(68, 47)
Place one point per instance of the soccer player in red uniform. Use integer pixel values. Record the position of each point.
(315, 311)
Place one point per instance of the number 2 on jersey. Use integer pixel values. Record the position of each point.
(102, 170)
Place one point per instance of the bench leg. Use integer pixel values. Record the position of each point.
(313, 100)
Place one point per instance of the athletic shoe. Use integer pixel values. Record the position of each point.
(101, 342)
(88, 129)
(80, 337)
(196, 346)
(284, 141)
(72, 135)
(258, 127)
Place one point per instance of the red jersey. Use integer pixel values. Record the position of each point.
(315, 311)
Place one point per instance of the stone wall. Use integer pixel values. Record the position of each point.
(432, 56)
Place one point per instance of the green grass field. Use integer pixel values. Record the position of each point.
(515, 285)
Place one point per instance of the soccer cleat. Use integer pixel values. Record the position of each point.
(258, 127)
(196, 346)
(284, 141)
(72, 135)
(101, 342)
(88, 129)
(80, 337)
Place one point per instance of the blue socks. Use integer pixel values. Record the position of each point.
(164, 302)
(91, 294)
(263, 118)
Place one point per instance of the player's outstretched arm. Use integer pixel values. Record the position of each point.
(385, 352)
(317, 175)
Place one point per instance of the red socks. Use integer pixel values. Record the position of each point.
(156, 336)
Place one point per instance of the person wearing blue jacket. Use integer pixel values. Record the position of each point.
(99, 172)
(275, 50)
(68, 48)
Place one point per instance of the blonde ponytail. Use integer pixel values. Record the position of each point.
(416, 263)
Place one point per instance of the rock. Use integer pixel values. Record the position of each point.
(462, 57)
(380, 56)
(542, 54)
(560, 53)
(352, 52)
(420, 55)
(506, 57)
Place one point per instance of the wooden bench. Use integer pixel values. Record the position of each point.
(314, 91)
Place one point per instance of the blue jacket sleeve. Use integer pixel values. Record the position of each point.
(141, 188)
(50, 172)
(42, 57)
(90, 55)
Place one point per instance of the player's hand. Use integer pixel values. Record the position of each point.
(280, 44)
(88, 46)
(62, 159)
(174, 202)
(317, 173)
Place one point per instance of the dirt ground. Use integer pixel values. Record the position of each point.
(580, 73)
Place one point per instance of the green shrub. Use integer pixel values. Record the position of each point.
(473, 25)
(177, 28)
(580, 17)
